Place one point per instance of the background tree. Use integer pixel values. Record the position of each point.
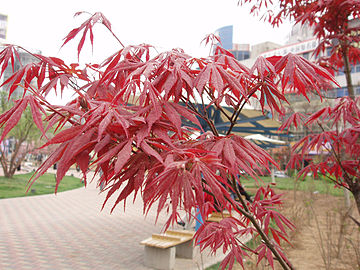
(18, 142)
(128, 120)
(334, 129)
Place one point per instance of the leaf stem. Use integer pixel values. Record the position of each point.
(238, 111)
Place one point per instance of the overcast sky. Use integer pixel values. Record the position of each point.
(165, 24)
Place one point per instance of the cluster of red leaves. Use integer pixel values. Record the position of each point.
(127, 121)
(337, 141)
(232, 233)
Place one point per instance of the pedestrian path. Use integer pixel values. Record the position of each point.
(69, 231)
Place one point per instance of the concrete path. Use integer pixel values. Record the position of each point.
(68, 231)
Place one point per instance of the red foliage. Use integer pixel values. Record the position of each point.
(339, 146)
(127, 120)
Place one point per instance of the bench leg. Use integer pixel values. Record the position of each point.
(185, 250)
(160, 258)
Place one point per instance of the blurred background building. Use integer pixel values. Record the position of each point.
(24, 57)
(3, 27)
(301, 41)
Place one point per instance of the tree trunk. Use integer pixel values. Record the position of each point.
(347, 198)
(354, 187)
(11, 162)
(8, 175)
(355, 190)
(273, 174)
(347, 71)
(4, 163)
(272, 168)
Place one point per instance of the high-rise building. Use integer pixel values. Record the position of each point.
(240, 51)
(226, 36)
(3, 27)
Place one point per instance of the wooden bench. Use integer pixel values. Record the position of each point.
(161, 249)
(218, 216)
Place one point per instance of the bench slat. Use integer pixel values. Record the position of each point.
(218, 216)
(157, 243)
(183, 233)
(169, 239)
(165, 237)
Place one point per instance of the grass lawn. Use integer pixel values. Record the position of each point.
(17, 186)
(309, 184)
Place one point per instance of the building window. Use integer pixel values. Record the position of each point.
(341, 92)
(357, 91)
(306, 55)
(357, 68)
(328, 51)
(241, 55)
(332, 93)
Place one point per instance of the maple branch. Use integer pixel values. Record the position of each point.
(346, 176)
(44, 102)
(353, 219)
(72, 83)
(102, 21)
(258, 228)
(233, 122)
(335, 181)
(27, 51)
(246, 212)
(3, 161)
(210, 123)
(118, 40)
(237, 112)
(234, 185)
(347, 70)
(192, 107)
(217, 106)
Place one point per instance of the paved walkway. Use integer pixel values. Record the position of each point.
(68, 231)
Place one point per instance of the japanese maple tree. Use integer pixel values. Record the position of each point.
(129, 120)
(334, 130)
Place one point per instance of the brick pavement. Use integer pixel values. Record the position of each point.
(68, 231)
